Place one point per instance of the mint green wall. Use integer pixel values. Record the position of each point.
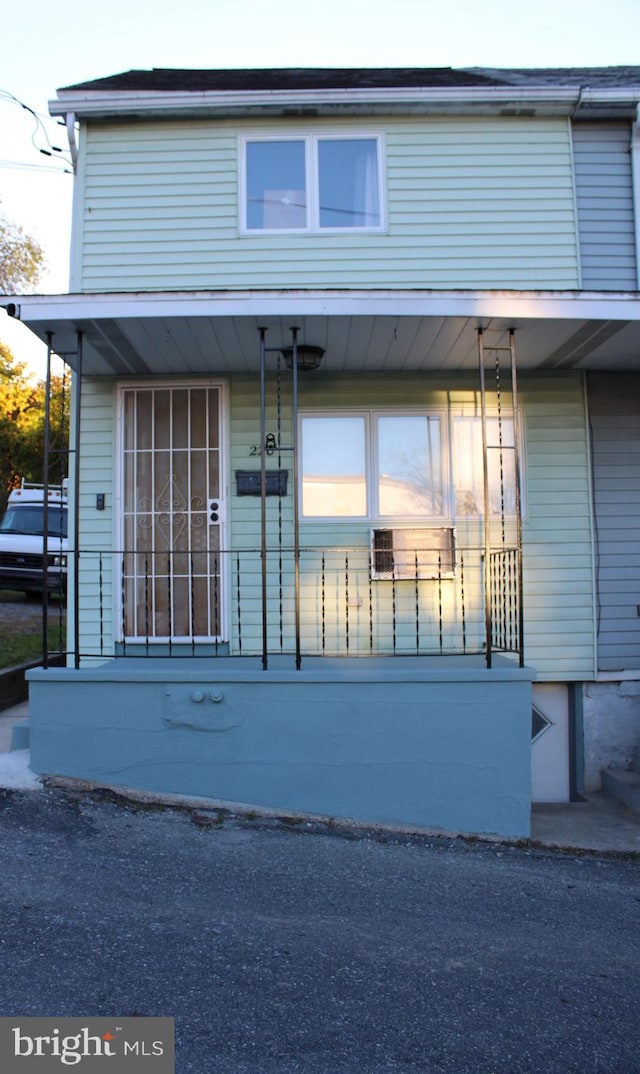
(559, 626)
(476, 203)
(97, 475)
(559, 622)
(557, 534)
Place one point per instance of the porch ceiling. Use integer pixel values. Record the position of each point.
(185, 333)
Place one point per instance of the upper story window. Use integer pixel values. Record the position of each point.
(312, 183)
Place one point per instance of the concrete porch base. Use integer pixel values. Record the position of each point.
(429, 743)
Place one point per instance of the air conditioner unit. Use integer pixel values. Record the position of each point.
(412, 553)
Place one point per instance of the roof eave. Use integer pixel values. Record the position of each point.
(499, 100)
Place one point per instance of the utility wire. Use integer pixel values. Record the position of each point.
(40, 130)
(23, 165)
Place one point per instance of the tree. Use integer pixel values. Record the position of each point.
(21, 259)
(22, 421)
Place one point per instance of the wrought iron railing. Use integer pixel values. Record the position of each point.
(505, 586)
(330, 602)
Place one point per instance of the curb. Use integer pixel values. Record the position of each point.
(13, 686)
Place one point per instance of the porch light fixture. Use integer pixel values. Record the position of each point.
(309, 357)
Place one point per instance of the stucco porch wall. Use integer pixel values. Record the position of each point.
(404, 741)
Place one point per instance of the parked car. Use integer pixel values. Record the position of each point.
(22, 540)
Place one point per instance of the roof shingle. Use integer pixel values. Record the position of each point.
(160, 79)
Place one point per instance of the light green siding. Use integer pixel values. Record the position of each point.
(96, 530)
(559, 634)
(474, 203)
(559, 625)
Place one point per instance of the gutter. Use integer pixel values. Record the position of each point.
(70, 124)
(635, 172)
(456, 100)
(512, 305)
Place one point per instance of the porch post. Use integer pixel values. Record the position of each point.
(487, 523)
(76, 503)
(45, 507)
(263, 495)
(516, 443)
(296, 525)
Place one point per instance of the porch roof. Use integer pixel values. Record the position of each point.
(191, 333)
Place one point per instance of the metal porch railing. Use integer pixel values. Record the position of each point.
(210, 604)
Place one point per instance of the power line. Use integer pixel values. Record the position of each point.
(39, 131)
(23, 165)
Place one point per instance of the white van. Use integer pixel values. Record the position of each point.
(21, 540)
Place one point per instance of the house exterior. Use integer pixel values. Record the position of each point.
(355, 451)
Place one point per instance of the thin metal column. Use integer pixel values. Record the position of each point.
(45, 507)
(516, 443)
(294, 467)
(76, 502)
(487, 523)
(263, 495)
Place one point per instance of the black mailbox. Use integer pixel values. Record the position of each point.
(249, 482)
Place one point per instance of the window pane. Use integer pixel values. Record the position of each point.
(467, 466)
(276, 185)
(348, 182)
(333, 467)
(409, 466)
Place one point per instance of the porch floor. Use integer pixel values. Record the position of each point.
(182, 667)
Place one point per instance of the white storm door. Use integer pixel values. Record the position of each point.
(173, 514)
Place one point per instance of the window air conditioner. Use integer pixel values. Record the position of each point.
(412, 553)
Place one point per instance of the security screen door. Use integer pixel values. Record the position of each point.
(172, 564)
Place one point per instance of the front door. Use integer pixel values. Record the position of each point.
(173, 513)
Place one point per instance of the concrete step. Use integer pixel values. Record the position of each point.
(624, 786)
(20, 736)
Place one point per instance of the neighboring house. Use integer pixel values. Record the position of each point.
(356, 446)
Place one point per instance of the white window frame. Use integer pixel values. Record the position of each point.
(447, 419)
(312, 177)
(372, 515)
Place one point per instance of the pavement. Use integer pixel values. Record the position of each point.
(8, 718)
(288, 949)
(598, 824)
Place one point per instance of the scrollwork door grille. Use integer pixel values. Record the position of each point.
(171, 565)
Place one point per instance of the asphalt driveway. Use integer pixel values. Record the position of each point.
(279, 947)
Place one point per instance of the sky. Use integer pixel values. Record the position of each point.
(59, 44)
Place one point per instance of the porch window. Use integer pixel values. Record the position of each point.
(312, 183)
(372, 465)
(409, 466)
(334, 482)
(399, 466)
(468, 471)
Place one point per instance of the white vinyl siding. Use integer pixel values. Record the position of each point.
(473, 203)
